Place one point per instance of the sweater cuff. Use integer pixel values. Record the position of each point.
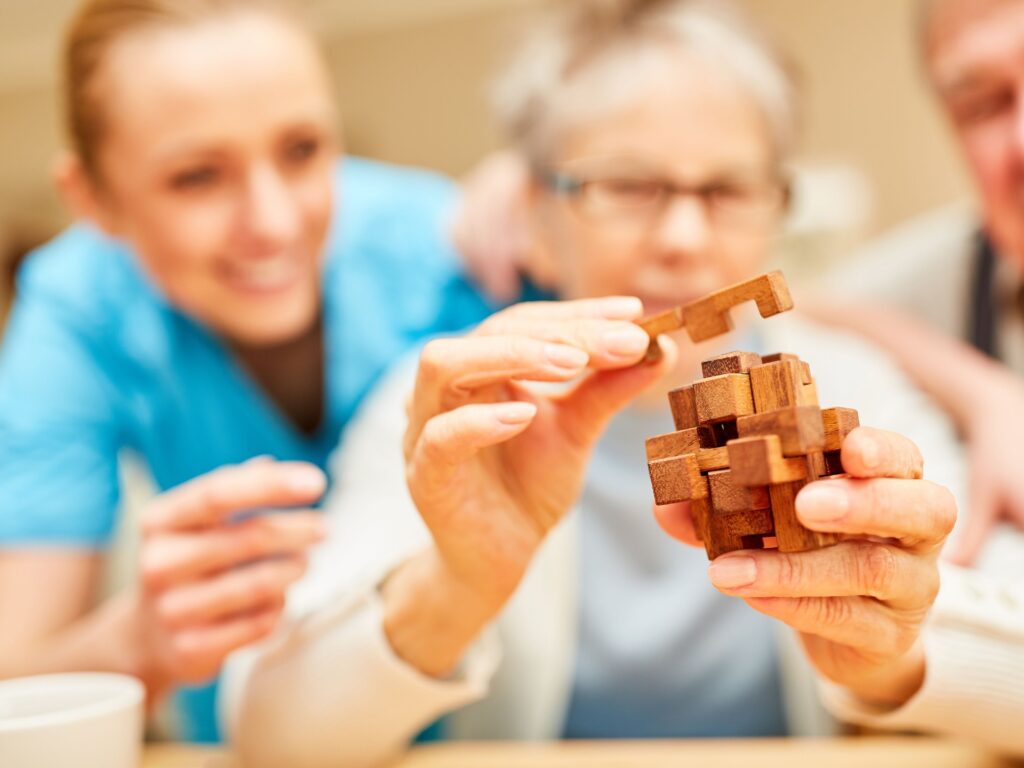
(974, 678)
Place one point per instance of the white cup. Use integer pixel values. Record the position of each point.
(81, 720)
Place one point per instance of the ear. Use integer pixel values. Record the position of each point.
(542, 259)
(81, 193)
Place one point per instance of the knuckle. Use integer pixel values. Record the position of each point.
(832, 611)
(432, 360)
(878, 566)
(789, 570)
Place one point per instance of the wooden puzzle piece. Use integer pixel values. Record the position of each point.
(729, 497)
(779, 384)
(676, 479)
(712, 459)
(838, 423)
(684, 407)
(733, 362)
(731, 532)
(709, 316)
(759, 461)
(723, 398)
(677, 443)
(799, 428)
(790, 533)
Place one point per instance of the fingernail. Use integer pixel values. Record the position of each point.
(626, 342)
(822, 502)
(307, 480)
(732, 572)
(563, 356)
(870, 455)
(621, 307)
(514, 414)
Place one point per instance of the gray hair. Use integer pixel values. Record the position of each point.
(570, 68)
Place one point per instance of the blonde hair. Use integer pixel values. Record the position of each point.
(571, 65)
(94, 29)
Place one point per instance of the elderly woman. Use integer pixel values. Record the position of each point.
(522, 572)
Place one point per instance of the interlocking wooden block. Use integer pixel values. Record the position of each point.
(790, 534)
(700, 511)
(728, 496)
(733, 362)
(777, 385)
(677, 443)
(684, 407)
(677, 479)
(730, 532)
(838, 423)
(709, 316)
(723, 398)
(712, 459)
(759, 461)
(798, 427)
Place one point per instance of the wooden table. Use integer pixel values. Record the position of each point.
(861, 752)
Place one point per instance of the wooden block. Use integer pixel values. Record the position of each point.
(791, 535)
(729, 497)
(759, 461)
(677, 479)
(664, 322)
(799, 428)
(712, 459)
(677, 443)
(838, 423)
(709, 316)
(808, 393)
(775, 357)
(805, 373)
(684, 407)
(733, 362)
(700, 510)
(736, 531)
(723, 398)
(776, 385)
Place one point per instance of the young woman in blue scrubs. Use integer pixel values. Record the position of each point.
(231, 294)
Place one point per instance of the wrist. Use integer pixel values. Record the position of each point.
(430, 616)
(894, 684)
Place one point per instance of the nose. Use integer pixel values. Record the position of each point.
(685, 228)
(271, 212)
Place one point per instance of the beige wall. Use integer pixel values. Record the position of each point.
(414, 93)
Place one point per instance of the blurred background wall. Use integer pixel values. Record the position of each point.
(413, 74)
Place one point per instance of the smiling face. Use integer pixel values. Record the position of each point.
(690, 126)
(216, 167)
(976, 60)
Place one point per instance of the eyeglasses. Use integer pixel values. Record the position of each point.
(738, 203)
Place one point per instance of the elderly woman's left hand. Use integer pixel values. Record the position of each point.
(859, 605)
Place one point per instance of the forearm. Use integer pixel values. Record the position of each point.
(101, 641)
(331, 690)
(956, 375)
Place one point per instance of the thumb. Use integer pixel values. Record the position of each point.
(677, 521)
(591, 405)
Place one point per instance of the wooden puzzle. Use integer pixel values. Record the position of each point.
(749, 434)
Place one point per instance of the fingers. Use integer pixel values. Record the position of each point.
(868, 452)
(677, 521)
(588, 408)
(451, 438)
(210, 499)
(238, 591)
(850, 569)
(916, 512)
(179, 557)
(199, 652)
(856, 622)
(609, 344)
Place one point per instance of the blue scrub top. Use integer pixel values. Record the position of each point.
(95, 361)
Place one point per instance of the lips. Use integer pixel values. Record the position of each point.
(264, 276)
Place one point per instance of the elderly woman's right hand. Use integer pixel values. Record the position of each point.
(493, 463)
(210, 584)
